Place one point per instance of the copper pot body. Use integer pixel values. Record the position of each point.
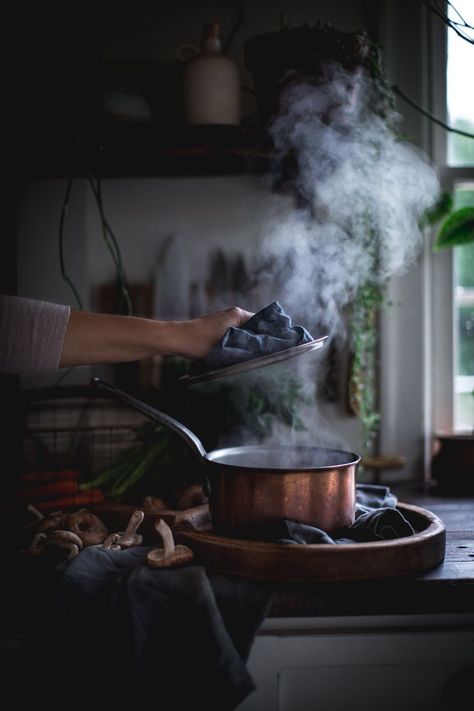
(243, 497)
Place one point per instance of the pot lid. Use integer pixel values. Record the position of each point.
(252, 363)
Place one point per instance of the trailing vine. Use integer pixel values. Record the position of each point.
(363, 382)
(364, 329)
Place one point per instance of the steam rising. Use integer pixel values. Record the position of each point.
(350, 214)
(361, 193)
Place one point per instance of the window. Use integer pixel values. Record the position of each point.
(459, 93)
(449, 280)
(464, 321)
(460, 153)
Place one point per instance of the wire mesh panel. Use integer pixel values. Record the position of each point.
(77, 432)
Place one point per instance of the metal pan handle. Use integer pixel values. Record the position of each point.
(189, 437)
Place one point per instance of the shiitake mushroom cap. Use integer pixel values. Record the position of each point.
(89, 527)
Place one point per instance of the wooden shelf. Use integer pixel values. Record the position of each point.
(133, 149)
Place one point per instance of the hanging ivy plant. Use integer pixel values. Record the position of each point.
(363, 381)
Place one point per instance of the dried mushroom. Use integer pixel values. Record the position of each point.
(130, 537)
(62, 545)
(155, 503)
(42, 522)
(111, 542)
(170, 556)
(90, 529)
(37, 545)
(196, 517)
(190, 497)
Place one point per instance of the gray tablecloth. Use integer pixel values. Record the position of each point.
(376, 519)
(125, 633)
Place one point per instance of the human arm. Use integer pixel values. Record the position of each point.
(40, 337)
(92, 338)
(31, 335)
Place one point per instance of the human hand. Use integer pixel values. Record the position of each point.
(195, 338)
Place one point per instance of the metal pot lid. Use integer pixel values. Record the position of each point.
(253, 363)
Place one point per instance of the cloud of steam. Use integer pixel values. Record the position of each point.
(348, 214)
(361, 192)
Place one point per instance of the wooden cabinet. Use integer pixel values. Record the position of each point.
(403, 643)
(412, 662)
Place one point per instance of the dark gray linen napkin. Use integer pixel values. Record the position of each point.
(376, 519)
(268, 331)
(134, 633)
(115, 630)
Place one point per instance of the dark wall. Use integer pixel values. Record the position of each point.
(59, 56)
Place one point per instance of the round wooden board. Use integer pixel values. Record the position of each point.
(322, 562)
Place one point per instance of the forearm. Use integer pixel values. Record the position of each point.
(93, 338)
(105, 338)
(39, 337)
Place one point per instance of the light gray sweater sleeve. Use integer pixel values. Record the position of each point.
(31, 335)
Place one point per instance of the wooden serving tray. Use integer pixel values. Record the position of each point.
(323, 562)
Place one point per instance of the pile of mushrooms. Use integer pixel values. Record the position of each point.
(62, 536)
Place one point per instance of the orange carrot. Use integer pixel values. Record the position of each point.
(85, 498)
(44, 477)
(47, 491)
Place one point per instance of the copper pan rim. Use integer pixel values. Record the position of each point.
(255, 458)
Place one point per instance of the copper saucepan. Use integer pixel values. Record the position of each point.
(253, 485)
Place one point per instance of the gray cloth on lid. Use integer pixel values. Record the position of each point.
(376, 519)
(31, 335)
(138, 633)
(268, 331)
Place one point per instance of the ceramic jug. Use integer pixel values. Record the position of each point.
(211, 83)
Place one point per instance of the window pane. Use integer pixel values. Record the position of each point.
(464, 305)
(459, 81)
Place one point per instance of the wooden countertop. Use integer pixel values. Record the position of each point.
(447, 588)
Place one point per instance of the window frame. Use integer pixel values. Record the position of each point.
(440, 307)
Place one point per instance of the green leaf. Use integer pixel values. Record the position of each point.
(140, 470)
(108, 475)
(457, 229)
(441, 208)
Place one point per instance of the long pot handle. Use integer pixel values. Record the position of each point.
(189, 437)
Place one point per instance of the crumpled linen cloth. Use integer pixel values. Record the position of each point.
(119, 632)
(127, 633)
(268, 331)
(376, 519)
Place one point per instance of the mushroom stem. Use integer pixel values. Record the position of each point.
(37, 514)
(130, 537)
(135, 520)
(37, 544)
(169, 555)
(166, 534)
(111, 542)
(196, 517)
